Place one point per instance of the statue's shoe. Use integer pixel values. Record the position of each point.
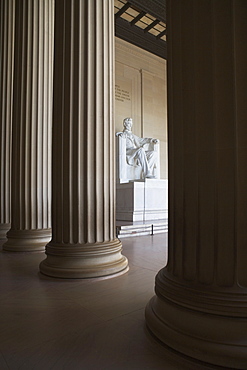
(149, 176)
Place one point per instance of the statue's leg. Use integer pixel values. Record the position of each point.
(142, 159)
(151, 159)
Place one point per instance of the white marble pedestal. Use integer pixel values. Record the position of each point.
(142, 200)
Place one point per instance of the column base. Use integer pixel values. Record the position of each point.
(213, 338)
(27, 240)
(4, 228)
(84, 261)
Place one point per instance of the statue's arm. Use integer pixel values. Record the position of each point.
(146, 140)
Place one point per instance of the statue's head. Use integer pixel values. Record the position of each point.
(127, 122)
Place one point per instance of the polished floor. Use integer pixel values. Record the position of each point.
(83, 324)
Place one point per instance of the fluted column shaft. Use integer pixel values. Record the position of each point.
(83, 212)
(7, 9)
(32, 114)
(201, 303)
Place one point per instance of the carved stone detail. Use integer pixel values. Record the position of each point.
(32, 117)
(7, 9)
(200, 308)
(83, 214)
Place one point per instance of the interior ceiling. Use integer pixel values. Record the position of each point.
(142, 23)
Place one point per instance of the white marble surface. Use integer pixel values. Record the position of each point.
(142, 200)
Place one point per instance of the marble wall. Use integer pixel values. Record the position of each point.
(140, 93)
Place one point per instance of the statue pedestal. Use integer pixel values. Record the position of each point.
(142, 200)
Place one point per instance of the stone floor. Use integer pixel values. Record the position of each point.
(83, 324)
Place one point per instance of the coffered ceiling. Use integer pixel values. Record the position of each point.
(142, 23)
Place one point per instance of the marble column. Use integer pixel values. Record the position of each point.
(83, 209)
(7, 9)
(32, 114)
(200, 307)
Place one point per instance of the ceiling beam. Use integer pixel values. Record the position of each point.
(163, 33)
(151, 25)
(122, 10)
(138, 37)
(136, 19)
(157, 8)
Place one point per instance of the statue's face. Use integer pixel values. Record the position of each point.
(128, 124)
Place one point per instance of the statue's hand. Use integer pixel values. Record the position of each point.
(155, 141)
(121, 134)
